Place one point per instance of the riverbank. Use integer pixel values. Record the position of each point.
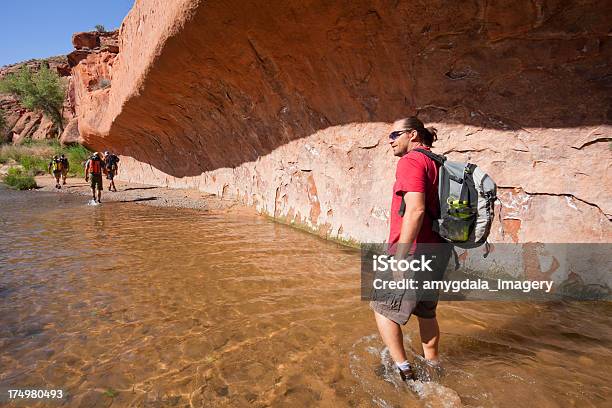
(146, 194)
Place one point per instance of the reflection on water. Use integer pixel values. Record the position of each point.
(127, 305)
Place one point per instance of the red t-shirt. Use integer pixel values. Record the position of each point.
(415, 173)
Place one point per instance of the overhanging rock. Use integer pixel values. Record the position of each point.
(286, 105)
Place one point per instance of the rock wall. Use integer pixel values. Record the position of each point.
(92, 65)
(287, 105)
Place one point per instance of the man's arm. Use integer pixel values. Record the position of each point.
(86, 166)
(411, 223)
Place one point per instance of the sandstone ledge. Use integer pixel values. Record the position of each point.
(286, 106)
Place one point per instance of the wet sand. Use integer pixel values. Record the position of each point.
(147, 194)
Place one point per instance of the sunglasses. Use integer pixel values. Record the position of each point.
(397, 133)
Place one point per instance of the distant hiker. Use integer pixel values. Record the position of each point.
(93, 169)
(110, 161)
(65, 167)
(56, 166)
(413, 207)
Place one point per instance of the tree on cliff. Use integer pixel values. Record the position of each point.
(42, 91)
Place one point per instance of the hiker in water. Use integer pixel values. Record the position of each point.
(93, 169)
(414, 205)
(55, 166)
(110, 162)
(65, 167)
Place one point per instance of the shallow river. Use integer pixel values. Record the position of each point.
(129, 305)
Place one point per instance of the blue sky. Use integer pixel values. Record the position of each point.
(44, 28)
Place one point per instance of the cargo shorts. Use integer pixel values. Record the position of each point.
(398, 305)
(95, 180)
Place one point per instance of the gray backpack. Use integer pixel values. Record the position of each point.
(467, 201)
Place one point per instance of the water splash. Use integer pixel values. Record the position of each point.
(93, 203)
(371, 365)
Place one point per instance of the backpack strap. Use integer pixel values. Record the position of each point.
(435, 157)
(455, 256)
(468, 190)
(438, 159)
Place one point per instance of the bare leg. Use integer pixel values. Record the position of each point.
(100, 195)
(391, 334)
(430, 337)
(93, 192)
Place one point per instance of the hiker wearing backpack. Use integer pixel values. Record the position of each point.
(436, 204)
(56, 166)
(65, 167)
(93, 170)
(415, 193)
(111, 163)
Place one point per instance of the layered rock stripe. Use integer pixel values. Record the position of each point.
(287, 105)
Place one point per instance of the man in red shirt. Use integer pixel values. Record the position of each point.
(416, 184)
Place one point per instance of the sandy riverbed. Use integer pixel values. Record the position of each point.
(146, 194)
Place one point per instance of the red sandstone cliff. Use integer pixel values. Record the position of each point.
(91, 63)
(287, 105)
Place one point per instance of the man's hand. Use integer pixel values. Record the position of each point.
(401, 275)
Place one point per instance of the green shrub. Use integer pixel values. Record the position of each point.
(103, 83)
(34, 164)
(19, 179)
(35, 156)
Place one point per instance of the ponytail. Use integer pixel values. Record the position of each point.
(427, 136)
(430, 135)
